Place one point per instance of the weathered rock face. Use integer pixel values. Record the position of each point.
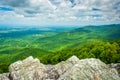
(71, 69)
(116, 66)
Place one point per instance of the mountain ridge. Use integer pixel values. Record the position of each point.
(81, 35)
(85, 42)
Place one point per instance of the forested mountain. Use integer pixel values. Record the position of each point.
(82, 36)
(101, 42)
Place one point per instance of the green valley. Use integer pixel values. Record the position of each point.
(52, 45)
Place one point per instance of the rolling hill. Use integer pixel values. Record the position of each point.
(80, 37)
(58, 45)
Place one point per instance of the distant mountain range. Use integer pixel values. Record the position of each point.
(80, 36)
(60, 37)
(58, 44)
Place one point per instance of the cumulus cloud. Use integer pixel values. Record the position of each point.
(61, 11)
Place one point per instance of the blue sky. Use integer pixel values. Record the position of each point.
(59, 12)
(6, 9)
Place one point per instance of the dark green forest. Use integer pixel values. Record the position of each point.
(56, 45)
(108, 52)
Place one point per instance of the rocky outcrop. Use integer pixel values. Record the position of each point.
(116, 66)
(71, 69)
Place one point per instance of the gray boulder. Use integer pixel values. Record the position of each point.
(90, 69)
(28, 69)
(5, 76)
(116, 66)
(71, 69)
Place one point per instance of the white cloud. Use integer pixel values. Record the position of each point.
(61, 11)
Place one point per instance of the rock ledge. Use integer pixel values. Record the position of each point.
(71, 69)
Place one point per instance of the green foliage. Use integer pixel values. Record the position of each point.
(85, 42)
(35, 52)
(4, 67)
(82, 36)
(107, 52)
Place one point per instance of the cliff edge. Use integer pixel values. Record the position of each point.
(71, 69)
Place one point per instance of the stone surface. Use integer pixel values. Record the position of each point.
(90, 69)
(28, 69)
(71, 69)
(116, 66)
(5, 76)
